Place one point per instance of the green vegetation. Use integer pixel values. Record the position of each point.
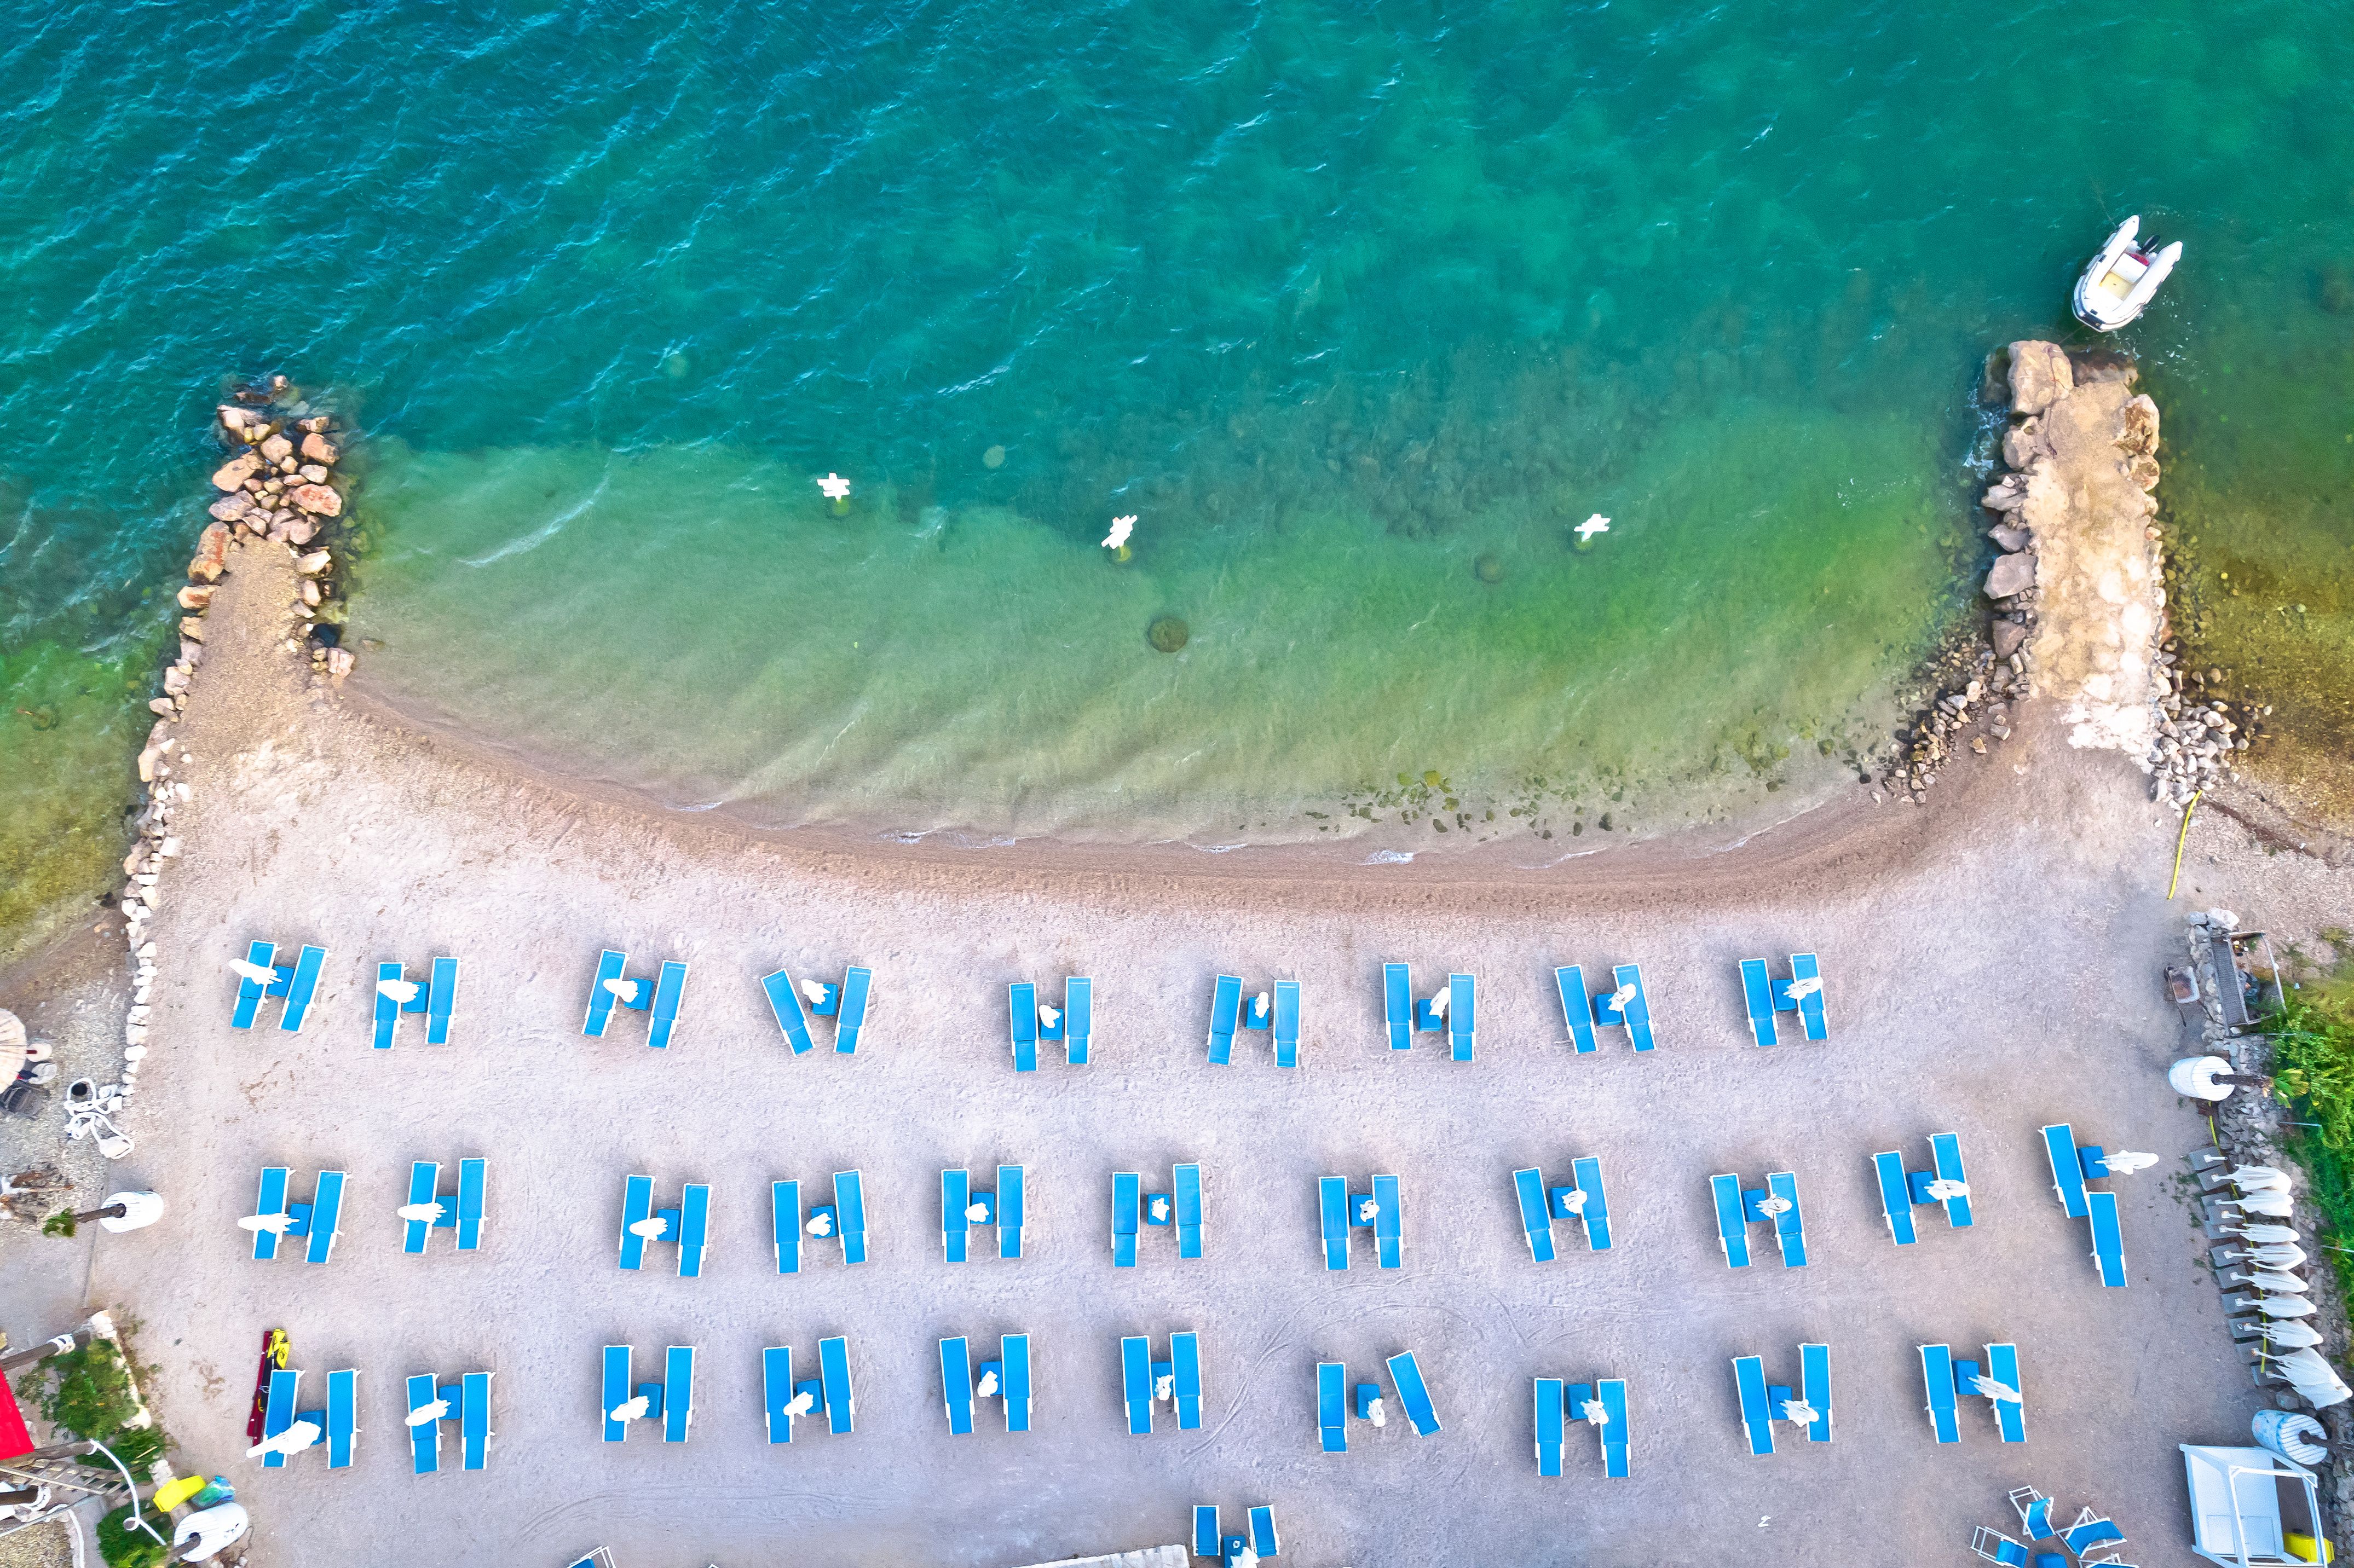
(2313, 1071)
(91, 1396)
(124, 1546)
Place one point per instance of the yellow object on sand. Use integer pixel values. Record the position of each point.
(2301, 1547)
(172, 1494)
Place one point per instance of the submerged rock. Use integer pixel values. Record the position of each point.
(1488, 568)
(1168, 633)
(2014, 573)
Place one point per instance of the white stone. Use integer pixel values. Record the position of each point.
(134, 1052)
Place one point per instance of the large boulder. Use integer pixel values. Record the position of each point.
(2014, 573)
(317, 499)
(2040, 377)
(2007, 636)
(232, 474)
(2023, 444)
(319, 449)
(277, 449)
(212, 553)
(2137, 425)
(237, 504)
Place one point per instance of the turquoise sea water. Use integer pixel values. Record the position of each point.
(1336, 301)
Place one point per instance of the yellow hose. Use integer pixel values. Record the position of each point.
(2182, 839)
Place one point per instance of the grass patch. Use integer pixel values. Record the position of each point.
(2313, 1071)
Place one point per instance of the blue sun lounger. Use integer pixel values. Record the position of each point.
(955, 1384)
(1612, 1391)
(857, 986)
(694, 1229)
(1078, 1018)
(425, 1437)
(474, 1420)
(1286, 1024)
(1461, 1016)
(615, 1391)
(956, 1196)
(1225, 1016)
(834, 1375)
(1895, 1196)
(1136, 1383)
(2067, 1169)
(1126, 1206)
(249, 992)
(277, 1413)
(1548, 1396)
(1756, 1415)
(1389, 1222)
(1588, 1173)
(1397, 1006)
(785, 1002)
(1537, 1220)
(297, 982)
(1732, 1222)
(678, 1393)
(1635, 1017)
(1331, 1407)
(1013, 1380)
(1815, 1384)
(299, 987)
(785, 1224)
(1790, 1224)
(1185, 1361)
(1009, 1213)
(2087, 1534)
(1332, 1209)
(2010, 1416)
(1188, 1179)
(342, 1413)
(1576, 1009)
(318, 1226)
(1021, 1006)
(2108, 1239)
(637, 1207)
(1937, 1377)
(1264, 1542)
(1757, 993)
(1412, 1394)
(1945, 1155)
(1811, 1016)
(271, 1200)
(850, 1214)
(433, 999)
(777, 1391)
(1207, 1541)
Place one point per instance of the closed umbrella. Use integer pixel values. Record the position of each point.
(2313, 1378)
(1944, 1191)
(2249, 1177)
(2126, 1161)
(2292, 1335)
(2269, 1279)
(2266, 1201)
(2265, 1236)
(2284, 1306)
(12, 1048)
(2282, 1255)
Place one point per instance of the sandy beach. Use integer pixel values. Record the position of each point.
(1991, 963)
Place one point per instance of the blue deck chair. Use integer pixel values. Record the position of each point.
(2034, 1512)
(1757, 992)
(249, 992)
(1389, 1222)
(2067, 1173)
(1078, 1018)
(955, 1384)
(474, 1177)
(857, 988)
(1126, 1206)
(1332, 1209)
(1186, 1358)
(1637, 1014)
(474, 1419)
(1815, 1384)
(1286, 1024)
(424, 1184)
(2010, 1416)
(1009, 1213)
(834, 1373)
(601, 1002)
(1895, 1196)
(668, 988)
(678, 1393)
(2088, 1531)
(388, 1011)
(1548, 1398)
(1397, 1006)
(440, 996)
(1188, 1179)
(1990, 1545)
(1263, 1538)
(1612, 1391)
(1136, 1383)
(1732, 1223)
(637, 1206)
(777, 1391)
(1946, 1154)
(1756, 1417)
(1937, 1378)
(785, 1002)
(616, 1391)
(1537, 1220)
(785, 1224)
(425, 1437)
(2108, 1239)
(1406, 1373)
(341, 1424)
(1021, 1007)
(1225, 1016)
(1207, 1541)
(326, 1209)
(850, 1214)
(1015, 1353)
(1331, 1407)
(1461, 1016)
(271, 1200)
(1576, 1008)
(1790, 1224)
(1588, 1173)
(694, 1229)
(956, 1196)
(301, 986)
(278, 1413)
(1811, 1015)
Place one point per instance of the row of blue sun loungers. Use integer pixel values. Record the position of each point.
(1802, 993)
(396, 994)
(1763, 1404)
(1071, 1025)
(1948, 1381)
(1903, 1190)
(1210, 1541)
(1343, 1213)
(1276, 1012)
(1132, 1207)
(1738, 1209)
(2072, 1167)
(1335, 1405)
(466, 1403)
(1558, 1404)
(1540, 1206)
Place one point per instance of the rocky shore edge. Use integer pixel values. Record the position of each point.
(2077, 481)
(283, 484)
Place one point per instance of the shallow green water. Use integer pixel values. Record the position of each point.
(1336, 301)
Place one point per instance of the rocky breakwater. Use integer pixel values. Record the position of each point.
(282, 487)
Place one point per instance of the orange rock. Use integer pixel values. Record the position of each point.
(232, 474)
(212, 552)
(318, 448)
(318, 499)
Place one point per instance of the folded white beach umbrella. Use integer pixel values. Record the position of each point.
(432, 1410)
(2269, 1279)
(428, 1213)
(2126, 1161)
(1943, 1190)
(2265, 1236)
(626, 990)
(259, 974)
(400, 992)
(652, 1228)
(2255, 1176)
(2313, 1378)
(1995, 1389)
(1775, 1206)
(2282, 1255)
(628, 1410)
(274, 1223)
(2292, 1335)
(2284, 1306)
(2265, 1201)
(1799, 1412)
(1802, 988)
(293, 1440)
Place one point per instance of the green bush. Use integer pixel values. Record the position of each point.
(92, 1396)
(124, 1546)
(2313, 1071)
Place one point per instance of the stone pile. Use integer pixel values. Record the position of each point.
(279, 487)
(2197, 737)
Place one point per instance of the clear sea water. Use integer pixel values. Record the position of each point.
(1344, 304)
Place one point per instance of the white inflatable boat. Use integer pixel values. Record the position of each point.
(2118, 284)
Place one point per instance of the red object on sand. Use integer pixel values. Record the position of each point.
(15, 1438)
(276, 1350)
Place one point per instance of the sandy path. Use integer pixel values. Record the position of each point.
(1992, 964)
